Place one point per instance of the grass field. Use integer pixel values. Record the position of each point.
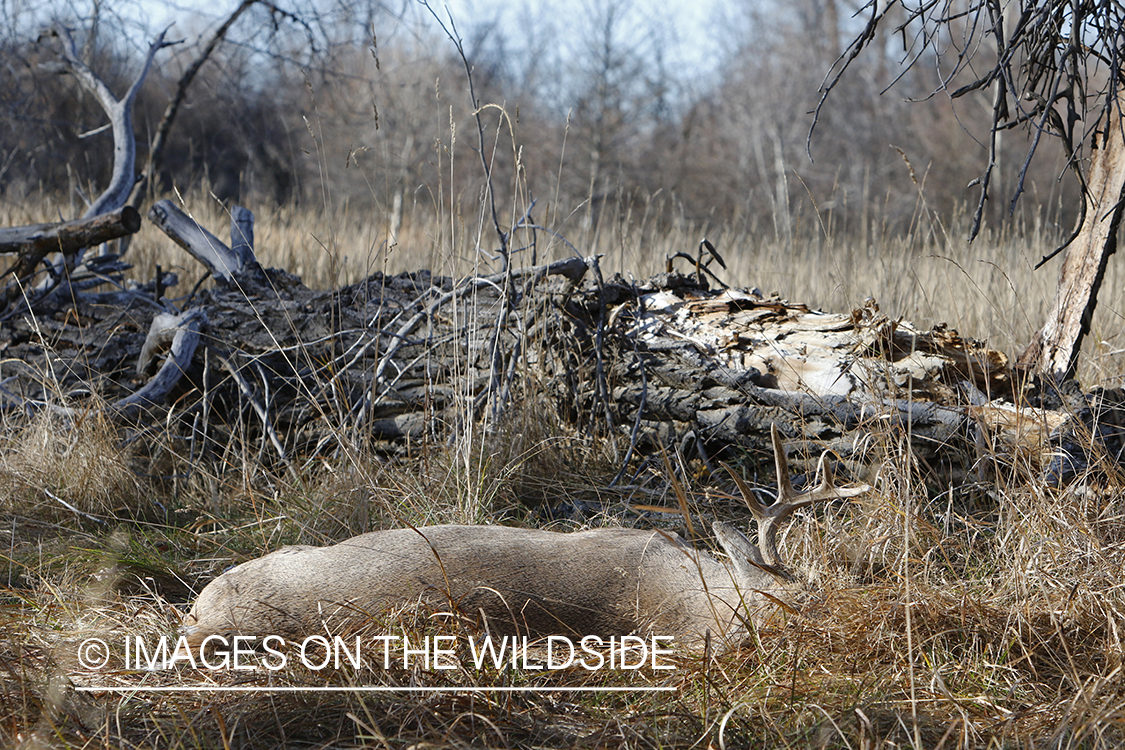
(928, 273)
(964, 616)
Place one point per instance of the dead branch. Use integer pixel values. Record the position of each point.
(223, 262)
(33, 243)
(120, 112)
(183, 330)
(1041, 66)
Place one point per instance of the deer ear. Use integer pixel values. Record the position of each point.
(744, 556)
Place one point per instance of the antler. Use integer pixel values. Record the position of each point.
(769, 517)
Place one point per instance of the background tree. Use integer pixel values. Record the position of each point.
(348, 109)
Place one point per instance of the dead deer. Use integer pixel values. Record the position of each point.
(603, 582)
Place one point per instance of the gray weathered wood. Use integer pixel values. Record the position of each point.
(36, 240)
(205, 247)
(242, 234)
(34, 243)
(183, 332)
(120, 112)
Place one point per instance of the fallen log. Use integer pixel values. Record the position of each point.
(33, 243)
(223, 262)
(721, 367)
(68, 236)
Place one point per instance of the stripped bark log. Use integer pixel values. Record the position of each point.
(1054, 349)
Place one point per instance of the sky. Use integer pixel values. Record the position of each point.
(690, 29)
(694, 23)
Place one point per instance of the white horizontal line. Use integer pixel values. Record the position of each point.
(364, 689)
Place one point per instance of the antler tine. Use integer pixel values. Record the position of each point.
(827, 489)
(781, 464)
(790, 500)
(760, 512)
(765, 554)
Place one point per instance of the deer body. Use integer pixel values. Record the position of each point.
(598, 582)
(604, 582)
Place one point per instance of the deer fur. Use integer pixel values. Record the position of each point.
(604, 582)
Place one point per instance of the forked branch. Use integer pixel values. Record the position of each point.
(1054, 66)
(120, 112)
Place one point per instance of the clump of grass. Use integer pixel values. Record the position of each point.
(71, 466)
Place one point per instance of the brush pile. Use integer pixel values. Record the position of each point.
(395, 360)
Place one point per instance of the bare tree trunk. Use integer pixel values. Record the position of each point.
(396, 206)
(831, 30)
(1054, 349)
(120, 112)
(781, 188)
(396, 217)
(400, 188)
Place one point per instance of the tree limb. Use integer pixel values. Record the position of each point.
(120, 112)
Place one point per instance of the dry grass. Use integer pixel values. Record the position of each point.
(954, 616)
(54, 457)
(937, 619)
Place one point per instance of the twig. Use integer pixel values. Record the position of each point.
(70, 507)
(451, 32)
(640, 406)
(261, 412)
(599, 351)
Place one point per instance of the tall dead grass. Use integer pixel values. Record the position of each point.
(969, 615)
(56, 466)
(928, 274)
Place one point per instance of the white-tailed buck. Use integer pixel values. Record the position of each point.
(604, 582)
